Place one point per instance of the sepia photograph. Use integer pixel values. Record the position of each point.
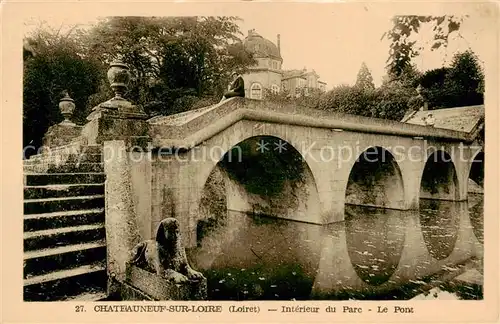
(317, 155)
(183, 158)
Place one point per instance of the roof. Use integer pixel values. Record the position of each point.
(463, 119)
(261, 47)
(289, 74)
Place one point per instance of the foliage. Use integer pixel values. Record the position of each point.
(461, 84)
(263, 171)
(172, 57)
(348, 99)
(177, 63)
(403, 47)
(52, 64)
(390, 101)
(465, 80)
(305, 97)
(364, 78)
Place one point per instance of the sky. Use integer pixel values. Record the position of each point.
(333, 40)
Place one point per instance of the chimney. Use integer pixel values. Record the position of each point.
(279, 44)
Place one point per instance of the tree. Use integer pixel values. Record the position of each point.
(364, 78)
(52, 64)
(305, 97)
(461, 84)
(172, 57)
(465, 80)
(392, 101)
(403, 47)
(434, 90)
(349, 99)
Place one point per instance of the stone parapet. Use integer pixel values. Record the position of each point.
(209, 122)
(61, 134)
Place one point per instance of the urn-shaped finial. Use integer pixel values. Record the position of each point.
(119, 78)
(67, 107)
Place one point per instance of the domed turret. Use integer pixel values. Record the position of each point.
(261, 47)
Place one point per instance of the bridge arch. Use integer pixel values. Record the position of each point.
(237, 134)
(375, 179)
(439, 178)
(260, 174)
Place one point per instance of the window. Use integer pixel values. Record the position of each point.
(275, 65)
(256, 91)
(275, 89)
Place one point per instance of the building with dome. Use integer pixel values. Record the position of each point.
(268, 72)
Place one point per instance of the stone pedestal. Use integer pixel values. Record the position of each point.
(107, 124)
(145, 285)
(61, 134)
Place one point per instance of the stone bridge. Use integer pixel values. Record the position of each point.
(170, 166)
(347, 159)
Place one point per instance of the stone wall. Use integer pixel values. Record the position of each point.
(264, 78)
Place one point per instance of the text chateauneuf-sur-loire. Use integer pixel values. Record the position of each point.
(249, 309)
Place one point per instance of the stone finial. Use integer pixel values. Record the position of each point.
(67, 107)
(119, 78)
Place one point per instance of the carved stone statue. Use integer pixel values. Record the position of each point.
(165, 255)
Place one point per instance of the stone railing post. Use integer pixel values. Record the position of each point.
(121, 128)
(66, 131)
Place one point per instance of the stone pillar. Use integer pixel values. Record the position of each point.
(121, 128)
(66, 131)
(122, 232)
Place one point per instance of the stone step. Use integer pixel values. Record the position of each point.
(64, 190)
(64, 178)
(66, 284)
(73, 163)
(37, 222)
(76, 167)
(92, 149)
(51, 238)
(85, 158)
(39, 262)
(49, 205)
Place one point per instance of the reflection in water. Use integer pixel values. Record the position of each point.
(476, 210)
(375, 253)
(375, 239)
(440, 223)
(261, 258)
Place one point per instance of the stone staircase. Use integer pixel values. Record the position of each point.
(64, 233)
